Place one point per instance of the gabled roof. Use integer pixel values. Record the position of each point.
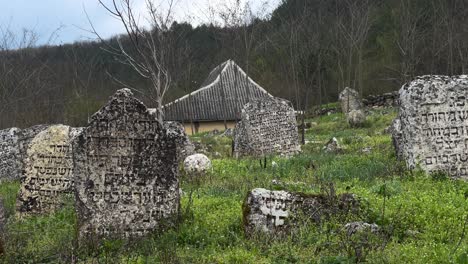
(221, 97)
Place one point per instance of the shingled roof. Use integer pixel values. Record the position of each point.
(221, 97)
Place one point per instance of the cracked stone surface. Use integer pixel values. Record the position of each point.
(126, 182)
(10, 165)
(268, 126)
(272, 212)
(48, 171)
(431, 130)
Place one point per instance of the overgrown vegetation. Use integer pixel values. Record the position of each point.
(423, 218)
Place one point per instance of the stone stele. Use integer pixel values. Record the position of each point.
(10, 166)
(268, 126)
(278, 211)
(431, 130)
(126, 181)
(350, 100)
(48, 171)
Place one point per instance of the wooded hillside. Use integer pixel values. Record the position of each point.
(306, 51)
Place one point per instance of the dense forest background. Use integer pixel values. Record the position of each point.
(306, 51)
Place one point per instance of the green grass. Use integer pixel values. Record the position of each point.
(423, 217)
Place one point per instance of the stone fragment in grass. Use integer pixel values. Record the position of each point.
(197, 164)
(431, 130)
(356, 118)
(333, 146)
(276, 212)
(126, 172)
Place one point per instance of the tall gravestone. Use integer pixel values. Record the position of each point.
(431, 130)
(268, 126)
(350, 100)
(10, 165)
(126, 182)
(48, 171)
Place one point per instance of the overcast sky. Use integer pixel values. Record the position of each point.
(68, 16)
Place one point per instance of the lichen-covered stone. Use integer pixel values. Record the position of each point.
(333, 146)
(268, 126)
(126, 181)
(360, 227)
(431, 130)
(10, 165)
(278, 211)
(356, 118)
(350, 100)
(197, 164)
(185, 147)
(48, 171)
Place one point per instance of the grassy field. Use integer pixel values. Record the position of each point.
(423, 217)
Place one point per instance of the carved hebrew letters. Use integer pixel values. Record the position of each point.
(48, 171)
(434, 124)
(126, 183)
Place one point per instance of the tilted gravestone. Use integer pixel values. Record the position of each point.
(350, 100)
(10, 165)
(48, 171)
(268, 126)
(279, 211)
(431, 129)
(126, 181)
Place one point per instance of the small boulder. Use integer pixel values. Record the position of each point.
(333, 146)
(197, 164)
(356, 118)
(360, 227)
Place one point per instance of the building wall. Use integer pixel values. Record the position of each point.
(200, 127)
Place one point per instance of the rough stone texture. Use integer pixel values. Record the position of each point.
(10, 165)
(432, 126)
(279, 211)
(333, 146)
(48, 171)
(359, 227)
(27, 136)
(268, 126)
(350, 100)
(197, 164)
(185, 147)
(382, 100)
(126, 182)
(356, 118)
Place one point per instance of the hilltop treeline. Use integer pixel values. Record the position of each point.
(306, 51)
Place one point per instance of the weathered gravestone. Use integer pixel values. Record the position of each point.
(10, 165)
(279, 211)
(350, 100)
(126, 181)
(268, 126)
(48, 171)
(431, 129)
(184, 146)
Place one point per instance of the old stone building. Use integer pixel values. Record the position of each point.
(126, 171)
(431, 130)
(217, 104)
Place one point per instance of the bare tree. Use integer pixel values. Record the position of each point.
(148, 50)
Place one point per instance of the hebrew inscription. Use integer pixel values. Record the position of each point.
(48, 171)
(433, 125)
(126, 171)
(10, 166)
(279, 211)
(268, 126)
